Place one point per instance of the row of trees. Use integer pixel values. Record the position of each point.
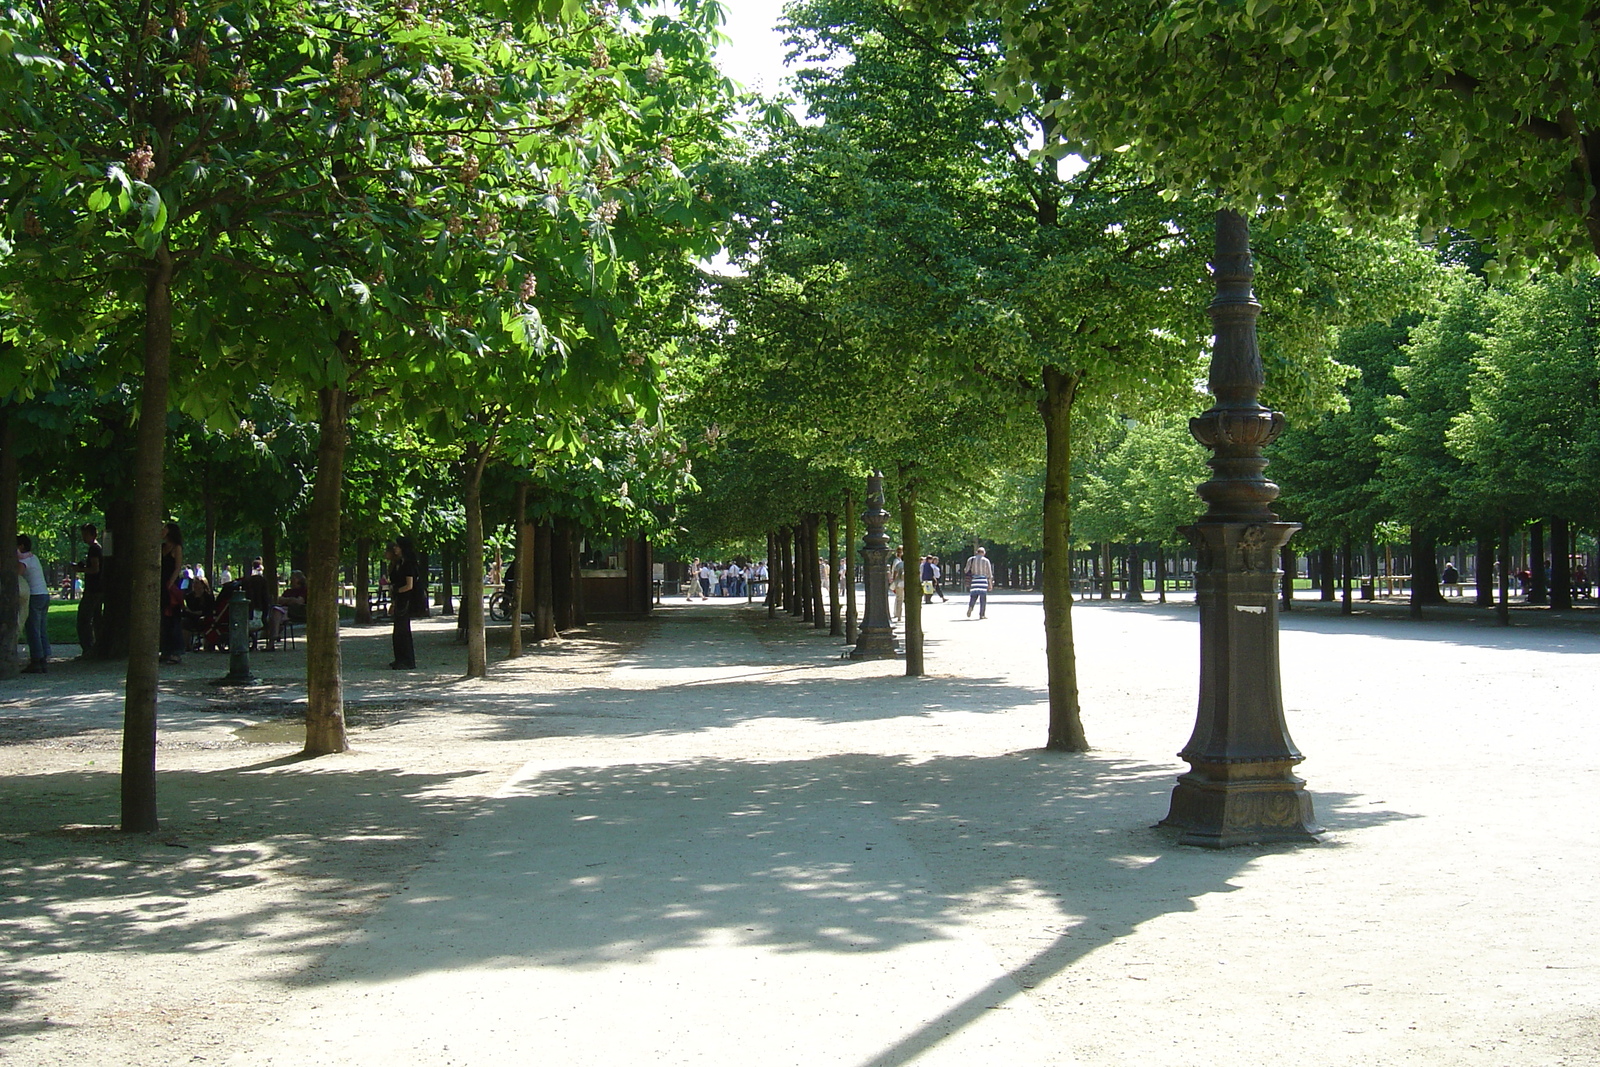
(457, 234)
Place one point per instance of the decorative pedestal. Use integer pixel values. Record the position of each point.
(1240, 788)
(875, 639)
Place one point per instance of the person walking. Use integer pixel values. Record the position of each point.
(37, 626)
(402, 589)
(930, 571)
(980, 572)
(897, 581)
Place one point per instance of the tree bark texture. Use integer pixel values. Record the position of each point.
(911, 540)
(1347, 608)
(523, 560)
(325, 727)
(852, 555)
(1538, 591)
(476, 459)
(10, 475)
(1106, 579)
(1135, 566)
(544, 608)
(1503, 602)
(1485, 576)
(562, 595)
(142, 555)
(1066, 720)
(835, 611)
(772, 575)
(1424, 570)
(1560, 565)
(819, 613)
(1326, 575)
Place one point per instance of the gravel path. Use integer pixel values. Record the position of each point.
(707, 839)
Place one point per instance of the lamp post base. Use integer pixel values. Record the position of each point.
(1220, 805)
(875, 645)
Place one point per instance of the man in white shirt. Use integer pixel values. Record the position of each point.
(37, 626)
(980, 572)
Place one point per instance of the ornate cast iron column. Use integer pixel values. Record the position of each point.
(1240, 787)
(876, 639)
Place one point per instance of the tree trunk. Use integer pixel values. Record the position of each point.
(1560, 565)
(819, 613)
(142, 555)
(524, 563)
(851, 557)
(325, 730)
(10, 476)
(1066, 720)
(1161, 573)
(1106, 578)
(791, 556)
(911, 539)
(449, 576)
(209, 506)
(580, 613)
(1485, 576)
(1288, 564)
(1326, 573)
(544, 607)
(1369, 588)
(561, 592)
(1424, 570)
(269, 560)
(363, 580)
(772, 575)
(1347, 607)
(835, 610)
(476, 457)
(1538, 591)
(1135, 584)
(1503, 604)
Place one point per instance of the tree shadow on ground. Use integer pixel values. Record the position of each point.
(579, 868)
(343, 838)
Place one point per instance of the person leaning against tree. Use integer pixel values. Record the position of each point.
(402, 586)
(93, 598)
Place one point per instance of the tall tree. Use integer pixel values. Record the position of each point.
(1486, 118)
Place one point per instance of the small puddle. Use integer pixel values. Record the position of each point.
(277, 732)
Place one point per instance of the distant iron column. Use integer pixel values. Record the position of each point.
(876, 639)
(1240, 787)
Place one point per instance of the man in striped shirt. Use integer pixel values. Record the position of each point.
(979, 572)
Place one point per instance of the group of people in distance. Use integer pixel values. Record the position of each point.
(725, 579)
(708, 579)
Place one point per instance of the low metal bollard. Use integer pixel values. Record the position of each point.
(238, 641)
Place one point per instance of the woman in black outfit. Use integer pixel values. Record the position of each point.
(171, 631)
(402, 586)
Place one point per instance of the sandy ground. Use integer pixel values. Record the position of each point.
(288, 910)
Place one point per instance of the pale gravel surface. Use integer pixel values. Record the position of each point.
(1448, 918)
